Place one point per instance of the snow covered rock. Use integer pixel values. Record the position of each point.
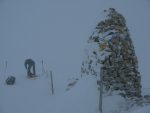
(10, 80)
(71, 83)
(110, 49)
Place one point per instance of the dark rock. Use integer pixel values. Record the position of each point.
(10, 80)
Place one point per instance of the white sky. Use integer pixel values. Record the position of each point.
(56, 31)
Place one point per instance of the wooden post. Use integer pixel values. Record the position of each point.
(42, 67)
(52, 86)
(5, 68)
(101, 91)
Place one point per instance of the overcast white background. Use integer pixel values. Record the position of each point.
(57, 30)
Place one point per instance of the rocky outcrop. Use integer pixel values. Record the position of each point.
(112, 51)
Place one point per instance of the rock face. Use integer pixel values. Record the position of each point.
(112, 51)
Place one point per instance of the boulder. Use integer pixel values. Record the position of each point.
(10, 80)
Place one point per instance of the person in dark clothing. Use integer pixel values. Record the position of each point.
(29, 63)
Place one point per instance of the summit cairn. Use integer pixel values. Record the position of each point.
(111, 50)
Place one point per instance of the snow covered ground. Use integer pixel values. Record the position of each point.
(35, 96)
(56, 32)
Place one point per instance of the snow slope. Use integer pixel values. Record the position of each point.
(56, 32)
(34, 96)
